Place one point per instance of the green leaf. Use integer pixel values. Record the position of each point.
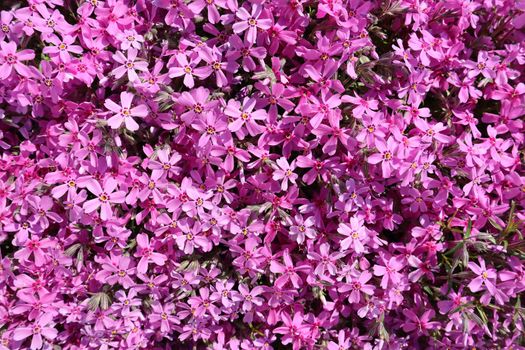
(99, 300)
(72, 249)
(469, 229)
(383, 333)
(455, 248)
(495, 225)
(465, 256)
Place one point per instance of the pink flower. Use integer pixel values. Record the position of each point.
(484, 277)
(187, 69)
(147, 254)
(389, 271)
(40, 330)
(10, 59)
(63, 48)
(251, 22)
(292, 330)
(116, 269)
(165, 165)
(244, 116)
(419, 324)
(356, 234)
(326, 262)
(302, 229)
(285, 173)
(129, 65)
(386, 156)
(357, 285)
(204, 303)
(163, 315)
(124, 112)
(249, 298)
(106, 196)
(288, 271)
(34, 246)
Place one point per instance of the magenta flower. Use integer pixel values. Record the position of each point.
(203, 304)
(244, 116)
(247, 51)
(355, 235)
(188, 70)
(62, 48)
(165, 165)
(211, 7)
(389, 271)
(129, 65)
(484, 277)
(124, 112)
(34, 246)
(40, 330)
(326, 262)
(303, 228)
(105, 196)
(116, 269)
(250, 22)
(11, 60)
(356, 286)
(292, 330)
(285, 173)
(249, 298)
(386, 156)
(147, 254)
(288, 271)
(163, 315)
(419, 324)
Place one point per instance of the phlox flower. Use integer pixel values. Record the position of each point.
(11, 60)
(105, 196)
(285, 173)
(251, 22)
(40, 331)
(147, 254)
(129, 65)
(124, 112)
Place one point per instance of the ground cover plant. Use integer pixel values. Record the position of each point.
(263, 174)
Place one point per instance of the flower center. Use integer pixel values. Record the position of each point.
(197, 108)
(11, 59)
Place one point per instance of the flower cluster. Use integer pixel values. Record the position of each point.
(262, 174)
